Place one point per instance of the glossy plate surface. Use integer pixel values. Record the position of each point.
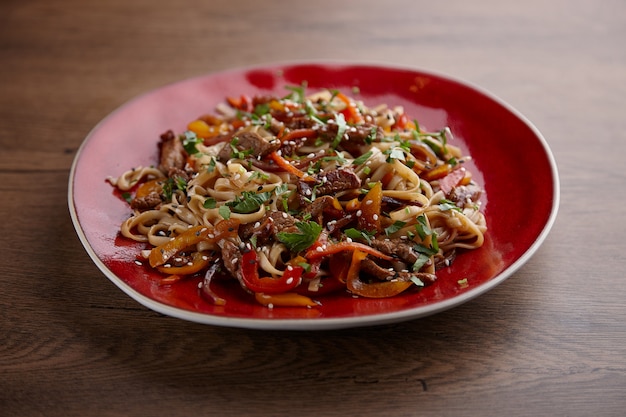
(504, 146)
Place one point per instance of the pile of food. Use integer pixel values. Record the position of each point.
(303, 195)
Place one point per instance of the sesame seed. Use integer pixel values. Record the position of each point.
(189, 263)
(285, 215)
(311, 155)
(211, 236)
(270, 306)
(289, 280)
(319, 249)
(375, 216)
(279, 152)
(308, 192)
(359, 213)
(205, 258)
(368, 202)
(138, 263)
(199, 285)
(349, 240)
(234, 261)
(289, 268)
(257, 224)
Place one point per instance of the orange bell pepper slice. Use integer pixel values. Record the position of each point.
(161, 254)
(370, 209)
(383, 289)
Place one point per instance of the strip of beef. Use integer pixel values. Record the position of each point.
(231, 258)
(248, 141)
(465, 194)
(147, 202)
(326, 183)
(391, 203)
(172, 153)
(354, 137)
(268, 227)
(396, 247)
(372, 268)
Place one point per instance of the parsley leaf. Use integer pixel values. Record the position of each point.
(297, 242)
(224, 211)
(209, 203)
(249, 202)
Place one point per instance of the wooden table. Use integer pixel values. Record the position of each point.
(551, 340)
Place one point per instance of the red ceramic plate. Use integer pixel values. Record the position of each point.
(511, 160)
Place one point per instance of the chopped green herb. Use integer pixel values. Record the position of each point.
(190, 140)
(224, 211)
(297, 242)
(363, 158)
(342, 126)
(418, 282)
(395, 153)
(445, 205)
(356, 234)
(249, 202)
(128, 197)
(396, 226)
(209, 203)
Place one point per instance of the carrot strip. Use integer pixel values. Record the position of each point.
(298, 134)
(344, 246)
(285, 165)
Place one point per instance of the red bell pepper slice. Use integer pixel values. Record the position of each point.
(291, 278)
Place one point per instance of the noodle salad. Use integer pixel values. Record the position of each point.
(299, 196)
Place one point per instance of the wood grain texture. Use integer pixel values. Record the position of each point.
(549, 341)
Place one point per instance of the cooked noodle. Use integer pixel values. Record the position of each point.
(293, 196)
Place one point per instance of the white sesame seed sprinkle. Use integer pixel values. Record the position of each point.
(289, 268)
(319, 249)
(234, 261)
(349, 240)
(211, 236)
(375, 216)
(289, 280)
(359, 213)
(285, 215)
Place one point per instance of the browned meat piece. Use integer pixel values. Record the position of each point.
(396, 247)
(373, 269)
(231, 258)
(172, 153)
(317, 207)
(465, 194)
(329, 182)
(177, 172)
(391, 203)
(268, 227)
(248, 141)
(147, 202)
(354, 137)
